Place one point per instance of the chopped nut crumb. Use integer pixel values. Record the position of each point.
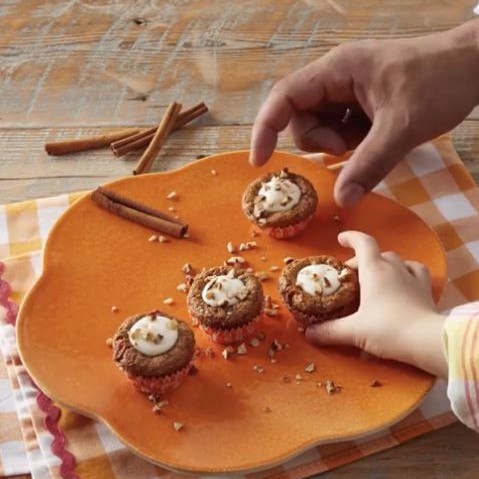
(255, 342)
(109, 342)
(319, 384)
(172, 195)
(300, 329)
(286, 378)
(210, 352)
(229, 385)
(178, 426)
(230, 247)
(310, 368)
(288, 260)
(274, 268)
(242, 349)
(214, 172)
(227, 352)
(158, 405)
(243, 247)
(249, 270)
(268, 303)
(262, 275)
(187, 269)
(298, 377)
(375, 384)
(171, 208)
(264, 258)
(251, 244)
(271, 312)
(299, 382)
(153, 238)
(258, 369)
(186, 235)
(114, 309)
(337, 219)
(182, 287)
(168, 301)
(273, 360)
(235, 260)
(262, 221)
(276, 345)
(267, 409)
(163, 239)
(330, 387)
(254, 233)
(194, 322)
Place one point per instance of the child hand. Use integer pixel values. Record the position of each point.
(397, 318)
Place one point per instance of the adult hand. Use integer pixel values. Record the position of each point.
(397, 318)
(401, 93)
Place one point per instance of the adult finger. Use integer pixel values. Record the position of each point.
(382, 148)
(299, 91)
(340, 331)
(365, 247)
(310, 134)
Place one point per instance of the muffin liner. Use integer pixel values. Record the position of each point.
(160, 384)
(233, 335)
(285, 232)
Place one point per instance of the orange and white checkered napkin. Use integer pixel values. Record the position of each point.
(432, 182)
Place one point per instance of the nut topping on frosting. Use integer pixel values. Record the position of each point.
(276, 195)
(319, 279)
(153, 335)
(224, 290)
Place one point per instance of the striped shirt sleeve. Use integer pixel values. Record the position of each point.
(461, 344)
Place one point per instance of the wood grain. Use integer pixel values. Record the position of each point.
(72, 68)
(27, 172)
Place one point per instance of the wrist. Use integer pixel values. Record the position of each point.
(425, 344)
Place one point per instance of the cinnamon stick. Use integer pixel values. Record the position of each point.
(141, 140)
(74, 145)
(164, 129)
(133, 211)
(120, 199)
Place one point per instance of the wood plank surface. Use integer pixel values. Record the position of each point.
(77, 67)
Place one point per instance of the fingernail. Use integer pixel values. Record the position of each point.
(350, 194)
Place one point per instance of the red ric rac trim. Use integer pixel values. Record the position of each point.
(51, 412)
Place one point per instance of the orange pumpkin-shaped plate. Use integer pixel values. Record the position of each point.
(94, 260)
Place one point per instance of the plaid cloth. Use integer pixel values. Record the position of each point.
(432, 182)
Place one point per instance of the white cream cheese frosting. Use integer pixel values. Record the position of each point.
(153, 335)
(224, 290)
(278, 194)
(319, 279)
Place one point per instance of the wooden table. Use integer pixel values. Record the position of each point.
(72, 68)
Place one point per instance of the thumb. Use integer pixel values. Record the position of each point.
(380, 151)
(340, 331)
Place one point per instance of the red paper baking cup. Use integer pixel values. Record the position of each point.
(233, 335)
(160, 384)
(285, 232)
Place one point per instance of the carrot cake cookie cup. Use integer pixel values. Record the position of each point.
(227, 303)
(281, 203)
(155, 350)
(319, 288)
